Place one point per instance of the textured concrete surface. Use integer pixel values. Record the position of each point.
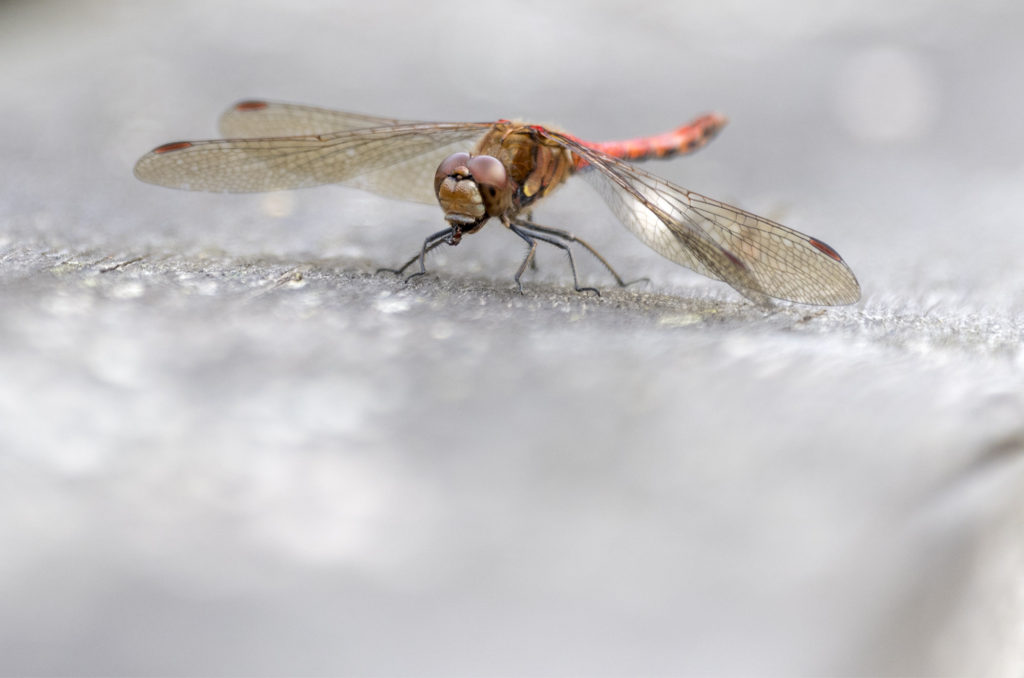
(228, 447)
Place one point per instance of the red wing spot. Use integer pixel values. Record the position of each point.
(734, 259)
(250, 105)
(173, 146)
(825, 248)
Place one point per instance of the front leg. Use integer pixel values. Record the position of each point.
(429, 244)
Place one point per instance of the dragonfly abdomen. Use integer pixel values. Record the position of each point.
(684, 139)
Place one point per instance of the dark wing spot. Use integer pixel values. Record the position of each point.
(825, 248)
(250, 105)
(734, 259)
(173, 146)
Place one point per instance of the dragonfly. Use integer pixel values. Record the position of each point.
(499, 170)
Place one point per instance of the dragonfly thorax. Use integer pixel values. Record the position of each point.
(471, 190)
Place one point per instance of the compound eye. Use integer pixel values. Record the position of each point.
(488, 171)
(450, 165)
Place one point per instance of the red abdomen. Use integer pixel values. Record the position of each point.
(685, 139)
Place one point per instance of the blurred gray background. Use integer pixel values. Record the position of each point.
(228, 447)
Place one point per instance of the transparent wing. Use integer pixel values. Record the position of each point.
(254, 118)
(397, 161)
(758, 257)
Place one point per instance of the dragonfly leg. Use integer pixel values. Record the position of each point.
(566, 235)
(528, 217)
(431, 242)
(532, 237)
(529, 255)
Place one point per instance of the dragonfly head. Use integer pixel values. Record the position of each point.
(471, 190)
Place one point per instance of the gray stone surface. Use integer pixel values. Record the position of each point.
(227, 446)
